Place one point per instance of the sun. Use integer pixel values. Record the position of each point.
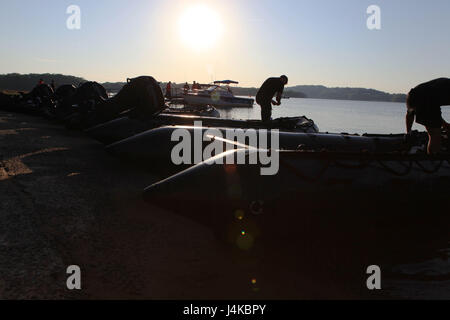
(200, 27)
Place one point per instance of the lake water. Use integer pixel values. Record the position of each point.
(339, 115)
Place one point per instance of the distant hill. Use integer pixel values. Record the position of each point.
(322, 92)
(26, 82)
(253, 91)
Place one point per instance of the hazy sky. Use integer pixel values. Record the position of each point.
(312, 41)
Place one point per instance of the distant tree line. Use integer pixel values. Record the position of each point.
(27, 82)
(322, 92)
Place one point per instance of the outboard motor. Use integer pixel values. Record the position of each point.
(82, 105)
(90, 91)
(141, 96)
(64, 96)
(63, 101)
(41, 97)
(65, 91)
(42, 91)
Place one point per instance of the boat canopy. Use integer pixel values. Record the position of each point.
(226, 82)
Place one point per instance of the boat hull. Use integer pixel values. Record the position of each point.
(126, 127)
(350, 199)
(156, 146)
(222, 102)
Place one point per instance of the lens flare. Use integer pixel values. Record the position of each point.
(239, 214)
(245, 241)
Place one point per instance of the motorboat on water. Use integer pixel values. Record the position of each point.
(219, 95)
